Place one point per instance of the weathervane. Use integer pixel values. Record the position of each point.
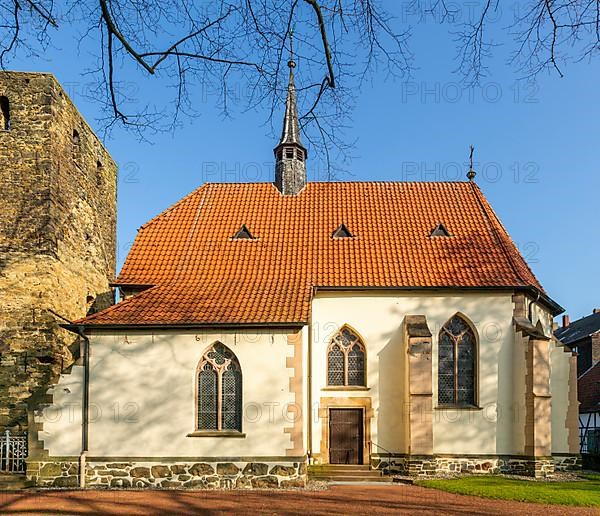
(471, 173)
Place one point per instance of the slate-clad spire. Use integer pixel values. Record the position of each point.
(291, 128)
(290, 154)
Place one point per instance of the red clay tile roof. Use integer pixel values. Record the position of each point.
(588, 389)
(200, 274)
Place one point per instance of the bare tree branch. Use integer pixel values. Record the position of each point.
(319, 14)
(235, 51)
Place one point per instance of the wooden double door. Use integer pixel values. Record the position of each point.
(346, 436)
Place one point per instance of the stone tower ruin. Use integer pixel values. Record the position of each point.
(57, 234)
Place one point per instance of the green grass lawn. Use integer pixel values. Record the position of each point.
(583, 493)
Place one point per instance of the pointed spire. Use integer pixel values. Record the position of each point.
(290, 154)
(291, 128)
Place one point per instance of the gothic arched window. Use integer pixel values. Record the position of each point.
(219, 388)
(346, 360)
(457, 351)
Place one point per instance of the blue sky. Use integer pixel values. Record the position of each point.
(537, 150)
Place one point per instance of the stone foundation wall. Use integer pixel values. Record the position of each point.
(420, 466)
(430, 465)
(153, 475)
(567, 462)
(539, 467)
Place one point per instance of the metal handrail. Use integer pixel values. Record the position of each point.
(382, 448)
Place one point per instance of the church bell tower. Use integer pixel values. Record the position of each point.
(290, 154)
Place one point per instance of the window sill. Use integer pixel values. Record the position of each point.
(458, 407)
(346, 388)
(217, 433)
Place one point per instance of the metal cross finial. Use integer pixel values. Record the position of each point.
(291, 62)
(471, 173)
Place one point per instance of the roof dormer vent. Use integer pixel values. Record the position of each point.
(440, 231)
(243, 234)
(342, 232)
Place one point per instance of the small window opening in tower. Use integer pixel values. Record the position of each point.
(99, 172)
(4, 114)
(289, 153)
(300, 155)
(76, 147)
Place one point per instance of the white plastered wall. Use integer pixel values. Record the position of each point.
(517, 411)
(142, 383)
(560, 367)
(142, 396)
(378, 317)
(61, 431)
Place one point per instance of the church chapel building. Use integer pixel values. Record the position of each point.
(268, 330)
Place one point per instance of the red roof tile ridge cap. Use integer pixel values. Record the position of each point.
(117, 306)
(173, 206)
(319, 182)
(237, 183)
(392, 182)
(500, 234)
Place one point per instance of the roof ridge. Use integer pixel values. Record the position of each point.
(339, 182)
(393, 182)
(174, 205)
(495, 222)
(582, 318)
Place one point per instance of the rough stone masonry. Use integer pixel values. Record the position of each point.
(57, 234)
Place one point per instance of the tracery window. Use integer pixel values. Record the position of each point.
(219, 390)
(346, 360)
(457, 349)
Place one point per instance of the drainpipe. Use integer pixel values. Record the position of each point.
(86, 407)
(309, 391)
(79, 330)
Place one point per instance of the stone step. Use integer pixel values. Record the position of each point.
(340, 467)
(6, 477)
(12, 482)
(348, 473)
(343, 478)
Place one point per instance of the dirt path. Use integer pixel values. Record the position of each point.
(341, 499)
